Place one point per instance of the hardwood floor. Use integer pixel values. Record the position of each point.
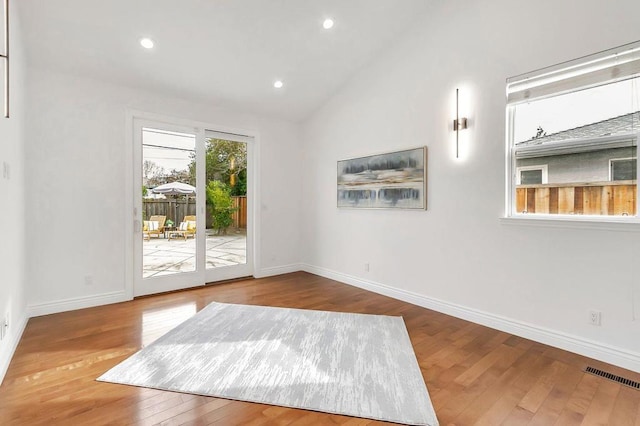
(475, 375)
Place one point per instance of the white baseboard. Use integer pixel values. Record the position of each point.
(64, 305)
(572, 343)
(612, 355)
(7, 355)
(278, 270)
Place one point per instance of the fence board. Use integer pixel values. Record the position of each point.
(531, 201)
(521, 196)
(566, 198)
(607, 200)
(578, 201)
(624, 201)
(592, 202)
(542, 200)
(553, 200)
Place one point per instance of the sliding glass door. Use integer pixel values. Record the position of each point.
(192, 198)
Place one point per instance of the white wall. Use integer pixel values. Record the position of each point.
(458, 256)
(76, 179)
(12, 198)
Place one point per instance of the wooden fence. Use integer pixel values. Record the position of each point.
(240, 215)
(596, 198)
(176, 210)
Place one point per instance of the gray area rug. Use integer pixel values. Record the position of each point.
(350, 364)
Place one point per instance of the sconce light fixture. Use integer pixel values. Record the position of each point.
(5, 58)
(459, 123)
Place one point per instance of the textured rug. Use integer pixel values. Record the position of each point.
(350, 364)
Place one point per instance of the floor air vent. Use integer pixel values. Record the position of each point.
(621, 380)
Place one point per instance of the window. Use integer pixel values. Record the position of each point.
(573, 136)
(623, 169)
(532, 175)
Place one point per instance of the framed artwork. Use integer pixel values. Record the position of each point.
(396, 180)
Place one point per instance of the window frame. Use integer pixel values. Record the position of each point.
(543, 167)
(612, 160)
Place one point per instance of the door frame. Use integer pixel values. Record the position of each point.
(130, 215)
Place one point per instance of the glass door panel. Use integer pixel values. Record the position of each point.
(167, 249)
(228, 189)
(168, 203)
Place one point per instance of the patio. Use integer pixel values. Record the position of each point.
(163, 257)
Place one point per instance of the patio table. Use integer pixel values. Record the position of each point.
(168, 230)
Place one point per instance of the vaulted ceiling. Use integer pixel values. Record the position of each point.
(228, 52)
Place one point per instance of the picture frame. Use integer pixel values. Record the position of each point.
(393, 180)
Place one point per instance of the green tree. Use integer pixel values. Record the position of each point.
(226, 161)
(221, 205)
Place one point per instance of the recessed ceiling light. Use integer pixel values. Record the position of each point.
(147, 43)
(278, 84)
(327, 24)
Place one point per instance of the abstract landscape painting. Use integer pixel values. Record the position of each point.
(394, 180)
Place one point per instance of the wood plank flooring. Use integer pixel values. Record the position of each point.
(475, 375)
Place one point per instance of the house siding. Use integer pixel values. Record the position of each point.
(583, 167)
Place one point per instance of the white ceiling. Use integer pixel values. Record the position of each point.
(228, 52)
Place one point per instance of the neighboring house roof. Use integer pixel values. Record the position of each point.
(623, 125)
(616, 132)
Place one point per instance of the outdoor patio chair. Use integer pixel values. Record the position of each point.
(153, 226)
(186, 229)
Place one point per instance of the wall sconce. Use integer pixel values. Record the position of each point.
(460, 123)
(5, 58)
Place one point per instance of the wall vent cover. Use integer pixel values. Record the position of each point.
(613, 377)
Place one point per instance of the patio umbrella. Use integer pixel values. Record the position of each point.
(176, 188)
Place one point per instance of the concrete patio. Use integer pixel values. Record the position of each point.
(163, 257)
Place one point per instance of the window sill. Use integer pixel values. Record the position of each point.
(574, 222)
